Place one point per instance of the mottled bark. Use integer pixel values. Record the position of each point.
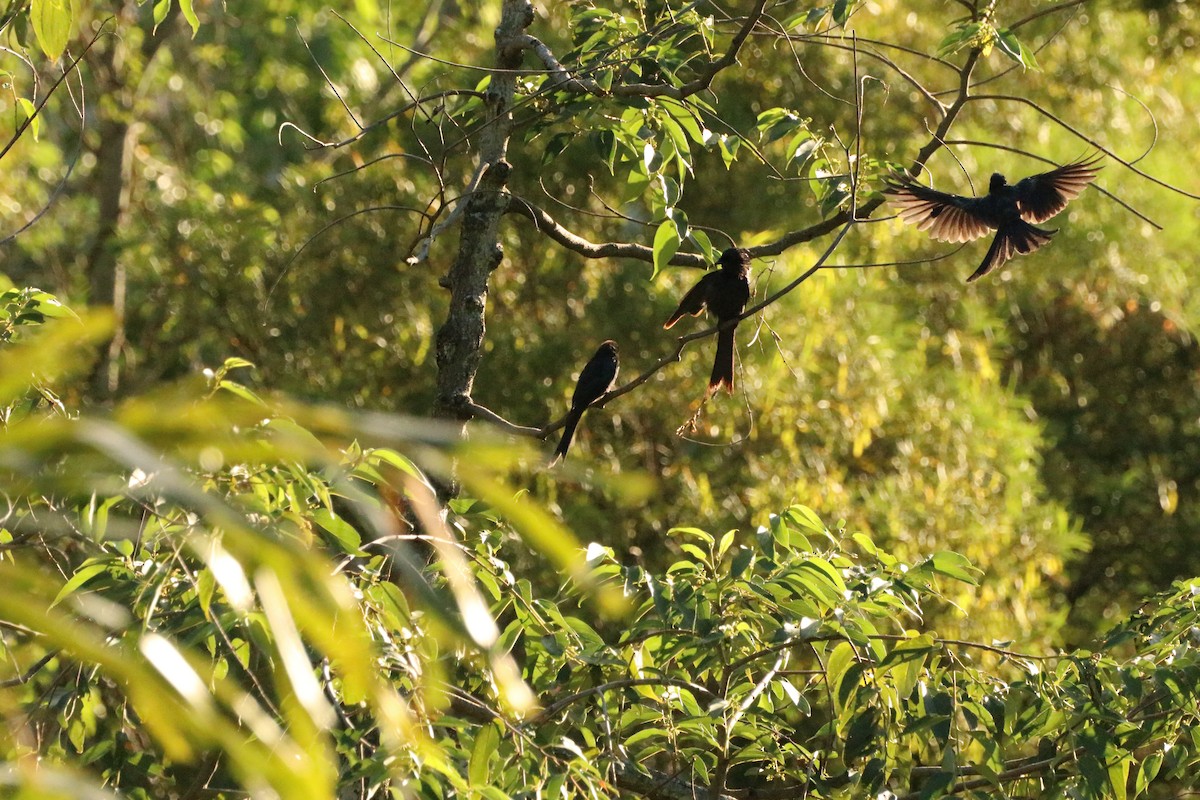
(460, 339)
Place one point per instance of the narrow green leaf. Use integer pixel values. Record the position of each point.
(1118, 777)
(954, 565)
(726, 543)
(486, 742)
(81, 576)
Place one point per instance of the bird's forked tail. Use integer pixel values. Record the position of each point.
(1017, 237)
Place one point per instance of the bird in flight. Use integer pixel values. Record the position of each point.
(595, 379)
(1010, 210)
(724, 292)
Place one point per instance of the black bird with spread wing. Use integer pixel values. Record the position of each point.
(724, 292)
(1011, 211)
(595, 379)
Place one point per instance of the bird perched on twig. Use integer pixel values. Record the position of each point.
(595, 379)
(1008, 210)
(724, 292)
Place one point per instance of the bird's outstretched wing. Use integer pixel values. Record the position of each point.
(947, 217)
(1040, 197)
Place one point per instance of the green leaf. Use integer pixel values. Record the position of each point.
(704, 243)
(1118, 777)
(865, 542)
(189, 13)
(486, 742)
(729, 148)
(841, 11)
(666, 245)
(726, 543)
(52, 21)
(1012, 47)
(741, 560)
(951, 565)
(82, 575)
(238, 390)
(342, 531)
(161, 9)
(29, 112)
(960, 37)
(805, 517)
(49, 306)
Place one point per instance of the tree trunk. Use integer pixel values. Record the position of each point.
(460, 339)
(118, 67)
(106, 273)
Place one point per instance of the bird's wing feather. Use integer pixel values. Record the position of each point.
(947, 217)
(693, 302)
(595, 378)
(1040, 197)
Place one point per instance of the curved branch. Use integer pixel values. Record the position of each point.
(547, 225)
(287, 266)
(486, 414)
(1083, 136)
(1045, 12)
(892, 65)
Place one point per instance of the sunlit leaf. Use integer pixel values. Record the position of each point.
(53, 21)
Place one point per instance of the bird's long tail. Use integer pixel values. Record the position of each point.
(564, 444)
(722, 372)
(1012, 238)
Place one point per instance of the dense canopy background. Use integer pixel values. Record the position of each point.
(295, 299)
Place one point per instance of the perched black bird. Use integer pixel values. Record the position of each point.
(595, 379)
(1009, 210)
(724, 292)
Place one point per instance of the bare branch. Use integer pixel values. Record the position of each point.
(426, 241)
(547, 225)
(27, 675)
(486, 414)
(1045, 12)
(328, 81)
(1083, 136)
(334, 224)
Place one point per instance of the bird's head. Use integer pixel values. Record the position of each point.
(997, 183)
(734, 259)
(609, 345)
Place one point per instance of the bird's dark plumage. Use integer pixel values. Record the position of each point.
(724, 292)
(1011, 211)
(595, 379)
